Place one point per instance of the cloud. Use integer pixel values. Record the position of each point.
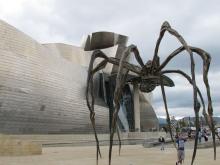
(67, 21)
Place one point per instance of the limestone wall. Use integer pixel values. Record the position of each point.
(18, 147)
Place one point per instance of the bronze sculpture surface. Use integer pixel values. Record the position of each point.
(148, 76)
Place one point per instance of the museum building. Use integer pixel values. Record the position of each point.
(42, 86)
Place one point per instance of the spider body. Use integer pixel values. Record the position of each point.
(148, 76)
(147, 83)
(150, 82)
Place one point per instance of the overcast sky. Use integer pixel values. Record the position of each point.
(66, 21)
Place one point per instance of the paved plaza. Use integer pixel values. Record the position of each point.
(130, 155)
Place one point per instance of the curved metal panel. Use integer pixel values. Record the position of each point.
(40, 91)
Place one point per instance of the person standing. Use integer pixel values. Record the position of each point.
(200, 136)
(162, 142)
(180, 140)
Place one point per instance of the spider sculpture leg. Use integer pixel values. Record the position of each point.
(91, 72)
(98, 54)
(206, 63)
(199, 93)
(119, 140)
(120, 83)
(100, 66)
(124, 68)
(196, 114)
(90, 89)
(166, 109)
(166, 27)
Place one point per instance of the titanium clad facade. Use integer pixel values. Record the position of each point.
(40, 91)
(42, 86)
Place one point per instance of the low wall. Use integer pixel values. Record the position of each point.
(17, 147)
(88, 139)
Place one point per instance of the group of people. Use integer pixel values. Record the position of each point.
(180, 140)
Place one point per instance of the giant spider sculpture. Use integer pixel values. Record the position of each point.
(148, 76)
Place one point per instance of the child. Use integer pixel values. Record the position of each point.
(180, 149)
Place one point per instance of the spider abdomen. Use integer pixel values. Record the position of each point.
(149, 83)
(147, 86)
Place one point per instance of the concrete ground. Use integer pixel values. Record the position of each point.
(130, 155)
